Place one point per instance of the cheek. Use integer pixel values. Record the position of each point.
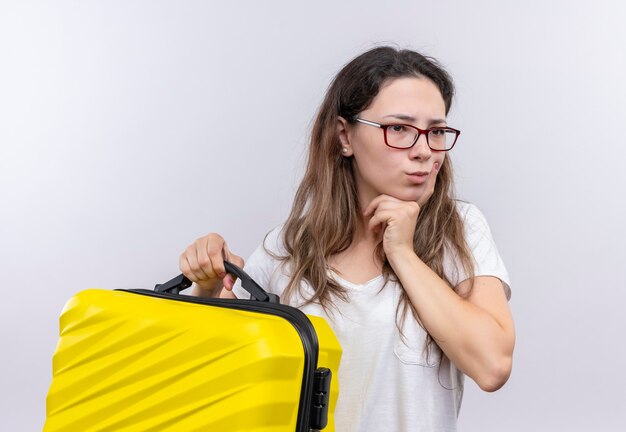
(439, 158)
(370, 151)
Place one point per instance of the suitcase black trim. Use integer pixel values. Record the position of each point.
(296, 317)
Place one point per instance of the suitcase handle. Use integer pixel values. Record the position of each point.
(181, 282)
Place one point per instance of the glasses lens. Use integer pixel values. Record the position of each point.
(441, 139)
(401, 136)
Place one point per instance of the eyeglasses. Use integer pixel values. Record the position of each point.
(404, 136)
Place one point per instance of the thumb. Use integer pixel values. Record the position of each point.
(229, 279)
(429, 187)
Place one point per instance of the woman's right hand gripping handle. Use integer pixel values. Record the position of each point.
(203, 263)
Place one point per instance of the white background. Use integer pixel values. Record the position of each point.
(130, 128)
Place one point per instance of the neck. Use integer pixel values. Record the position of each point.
(363, 233)
(364, 236)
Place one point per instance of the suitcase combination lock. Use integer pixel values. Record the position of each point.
(319, 402)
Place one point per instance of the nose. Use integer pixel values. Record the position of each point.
(420, 149)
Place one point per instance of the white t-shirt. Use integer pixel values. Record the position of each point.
(387, 383)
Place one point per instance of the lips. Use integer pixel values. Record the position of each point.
(418, 177)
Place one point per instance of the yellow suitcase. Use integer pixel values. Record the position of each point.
(154, 360)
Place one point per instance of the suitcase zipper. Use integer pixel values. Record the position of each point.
(296, 317)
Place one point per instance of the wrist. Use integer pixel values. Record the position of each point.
(401, 256)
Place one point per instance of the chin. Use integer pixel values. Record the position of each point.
(408, 195)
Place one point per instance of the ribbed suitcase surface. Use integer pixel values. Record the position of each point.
(143, 361)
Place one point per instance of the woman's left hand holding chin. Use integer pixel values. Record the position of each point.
(397, 219)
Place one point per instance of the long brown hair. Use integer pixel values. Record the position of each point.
(326, 212)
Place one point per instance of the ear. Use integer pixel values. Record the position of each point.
(344, 136)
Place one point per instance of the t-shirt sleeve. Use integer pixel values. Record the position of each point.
(487, 259)
(260, 266)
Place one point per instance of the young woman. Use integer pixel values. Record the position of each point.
(408, 277)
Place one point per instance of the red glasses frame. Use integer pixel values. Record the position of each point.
(425, 132)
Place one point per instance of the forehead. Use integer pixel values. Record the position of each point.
(414, 96)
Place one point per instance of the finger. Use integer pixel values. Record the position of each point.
(238, 261)
(228, 256)
(204, 262)
(435, 171)
(429, 187)
(232, 258)
(373, 205)
(229, 279)
(189, 267)
(215, 251)
(371, 208)
(183, 265)
(431, 178)
(379, 221)
(391, 207)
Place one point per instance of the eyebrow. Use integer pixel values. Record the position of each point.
(408, 118)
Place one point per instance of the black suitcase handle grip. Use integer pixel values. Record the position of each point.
(181, 282)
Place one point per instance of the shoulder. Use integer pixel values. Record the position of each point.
(268, 251)
(487, 259)
(263, 263)
(475, 223)
(470, 214)
(273, 242)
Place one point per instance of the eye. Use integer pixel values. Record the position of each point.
(397, 128)
(438, 132)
